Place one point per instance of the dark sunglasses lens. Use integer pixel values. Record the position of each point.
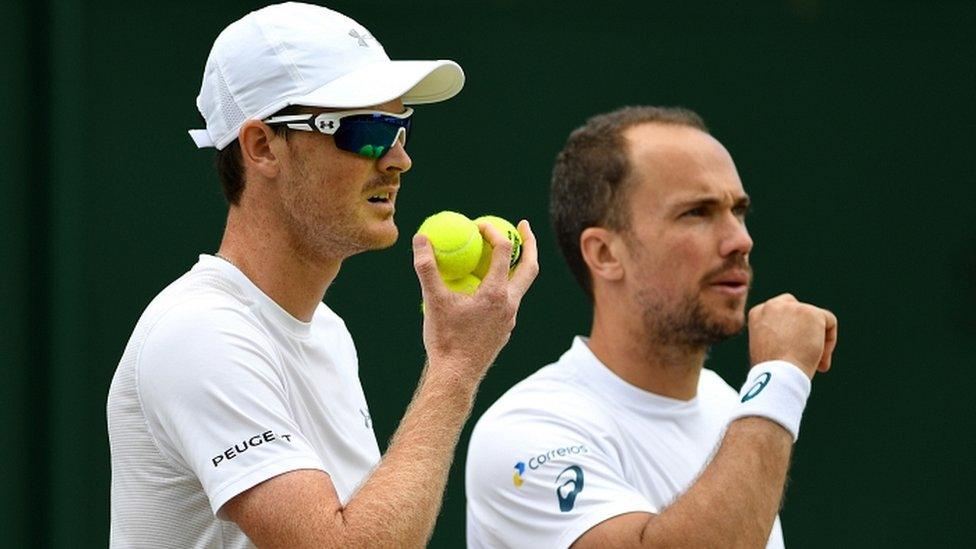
(369, 136)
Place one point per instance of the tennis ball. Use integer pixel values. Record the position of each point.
(510, 232)
(457, 243)
(468, 284)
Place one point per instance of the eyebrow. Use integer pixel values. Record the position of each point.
(710, 202)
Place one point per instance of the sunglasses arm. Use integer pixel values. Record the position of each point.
(303, 122)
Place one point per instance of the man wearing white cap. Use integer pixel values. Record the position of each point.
(236, 416)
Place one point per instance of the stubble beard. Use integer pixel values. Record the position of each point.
(319, 236)
(686, 326)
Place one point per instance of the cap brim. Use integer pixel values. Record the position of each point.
(417, 82)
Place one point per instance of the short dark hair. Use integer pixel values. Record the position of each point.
(589, 179)
(230, 165)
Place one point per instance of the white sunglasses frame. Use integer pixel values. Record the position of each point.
(329, 122)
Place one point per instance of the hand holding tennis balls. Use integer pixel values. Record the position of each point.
(463, 255)
(464, 333)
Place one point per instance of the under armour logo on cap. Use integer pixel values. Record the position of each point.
(361, 37)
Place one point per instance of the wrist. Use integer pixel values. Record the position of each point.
(776, 390)
(450, 379)
(791, 359)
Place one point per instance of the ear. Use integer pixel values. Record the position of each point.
(601, 252)
(257, 154)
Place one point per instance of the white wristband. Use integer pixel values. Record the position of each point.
(776, 390)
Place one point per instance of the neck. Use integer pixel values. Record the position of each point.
(638, 358)
(266, 255)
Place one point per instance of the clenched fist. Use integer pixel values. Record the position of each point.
(786, 329)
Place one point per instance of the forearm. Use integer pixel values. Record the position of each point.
(737, 497)
(399, 502)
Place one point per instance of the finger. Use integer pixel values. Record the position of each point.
(528, 267)
(830, 340)
(501, 253)
(788, 297)
(830, 319)
(756, 311)
(425, 265)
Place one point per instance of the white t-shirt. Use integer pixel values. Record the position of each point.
(573, 445)
(219, 389)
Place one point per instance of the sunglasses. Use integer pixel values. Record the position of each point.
(368, 133)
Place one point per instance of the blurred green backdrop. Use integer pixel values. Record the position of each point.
(851, 123)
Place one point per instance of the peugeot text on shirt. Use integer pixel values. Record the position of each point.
(256, 440)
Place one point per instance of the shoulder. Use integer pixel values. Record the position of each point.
(549, 410)
(329, 326)
(552, 395)
(713, 385)
(200, 298)
(193, 336)
(528, 457)
(207, 320)
(325, 314)
(718, 399)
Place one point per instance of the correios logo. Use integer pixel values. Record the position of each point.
(758, 386)
(538, 461)
(519, 471)
(541, 459)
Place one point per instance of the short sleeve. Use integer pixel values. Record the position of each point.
(210, 386)
(542, 477)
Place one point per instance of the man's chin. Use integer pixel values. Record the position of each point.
(375, 239)
(728, 310)
(386, 238)
(726, 326)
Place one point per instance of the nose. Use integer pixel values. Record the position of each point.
(736, 238)
(396, 160)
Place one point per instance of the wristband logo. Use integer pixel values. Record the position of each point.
(567, 491)
(517, 476)
(757, 387)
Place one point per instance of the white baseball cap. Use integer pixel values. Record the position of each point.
(300, 54)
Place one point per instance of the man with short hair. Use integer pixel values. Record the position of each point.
(627, 440)
(238, 395)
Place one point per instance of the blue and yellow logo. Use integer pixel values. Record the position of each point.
(535, 462)
(517, 476)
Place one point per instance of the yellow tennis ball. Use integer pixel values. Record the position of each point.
(468, 284)
(510, 232)
(457, 243)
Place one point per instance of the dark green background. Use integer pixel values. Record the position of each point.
(851, 123)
